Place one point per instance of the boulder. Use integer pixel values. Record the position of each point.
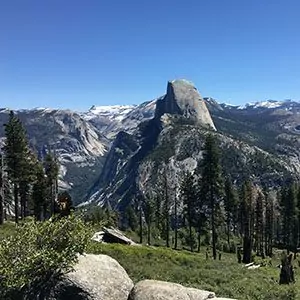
(95, 277)
(161, 290)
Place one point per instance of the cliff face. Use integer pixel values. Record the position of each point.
(182, 98)
(124, 167)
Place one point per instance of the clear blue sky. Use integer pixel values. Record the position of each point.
(73, 54)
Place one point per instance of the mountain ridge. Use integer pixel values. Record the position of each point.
(83, 140)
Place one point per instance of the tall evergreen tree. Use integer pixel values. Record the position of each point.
(51, 171)
(269, 224)
(231, 207)
(16, 151)
(212, 185)
(149, 213)
(131, 217)
(2, 176)
(39, 192)
(27, 178)
(189, 197)
(176, 221)
(246, 209)
(166, 208)
(259, 224)
(288, 207)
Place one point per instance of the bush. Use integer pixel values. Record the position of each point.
(34, 259)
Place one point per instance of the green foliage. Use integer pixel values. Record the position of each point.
(39, 192)
(34, 258)
(189, 196)
(131, 218)
(16, 152)
(212, 184)
(188, 237)
(97, 215)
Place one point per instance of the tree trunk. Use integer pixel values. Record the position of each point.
(1, 208)
(168, 231)
(199, 240)
(149, 234)
(141, 226)
(213, 227)
(247, 250)
(191, 242)
(228, 233)
(1, 195)
(176, 224)
(16, 194)
(199, 233)
(286, 272)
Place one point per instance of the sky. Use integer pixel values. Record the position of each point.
(75, 54)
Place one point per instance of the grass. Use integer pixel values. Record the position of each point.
(226, 278)
(7, 229)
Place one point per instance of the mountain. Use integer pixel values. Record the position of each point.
(259, 141)
(109, 120)
(105, 151)
(79, 146)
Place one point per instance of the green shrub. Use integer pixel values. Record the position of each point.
(37, 255)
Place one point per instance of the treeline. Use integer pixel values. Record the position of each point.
(209, 208)
(28, 186)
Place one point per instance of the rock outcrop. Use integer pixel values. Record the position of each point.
(100, 277)
(183, 99)
(96, 277)
(162, 290)
(153, 289)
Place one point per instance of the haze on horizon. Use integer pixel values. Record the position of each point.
(74, 54)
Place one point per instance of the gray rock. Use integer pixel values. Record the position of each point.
(96, 277)
(161, 290)
(223, 299)
(182, 98)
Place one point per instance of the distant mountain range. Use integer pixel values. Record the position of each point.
(109, 150)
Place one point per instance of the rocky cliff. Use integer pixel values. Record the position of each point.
(182, 98)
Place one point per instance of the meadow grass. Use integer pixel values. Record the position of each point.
(7, 229)
(226, 278)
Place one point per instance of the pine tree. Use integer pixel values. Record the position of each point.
(246, 209)
(51, 171)
(27, 177)
(16, 151)
(1, 189)
(288, 207)
(189, 197)
(211, 187)
(131, 218)
(269, 224)
(231, 207)
(163, 203)
(259, 224)
(39, 192)
(149, 213)
(175, 221)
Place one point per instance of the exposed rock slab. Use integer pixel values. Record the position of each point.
(112, 235)
(183, 99)
(97, 277)
(161, 290)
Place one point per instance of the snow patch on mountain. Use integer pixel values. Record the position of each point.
(112, 112)
(271, 104)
